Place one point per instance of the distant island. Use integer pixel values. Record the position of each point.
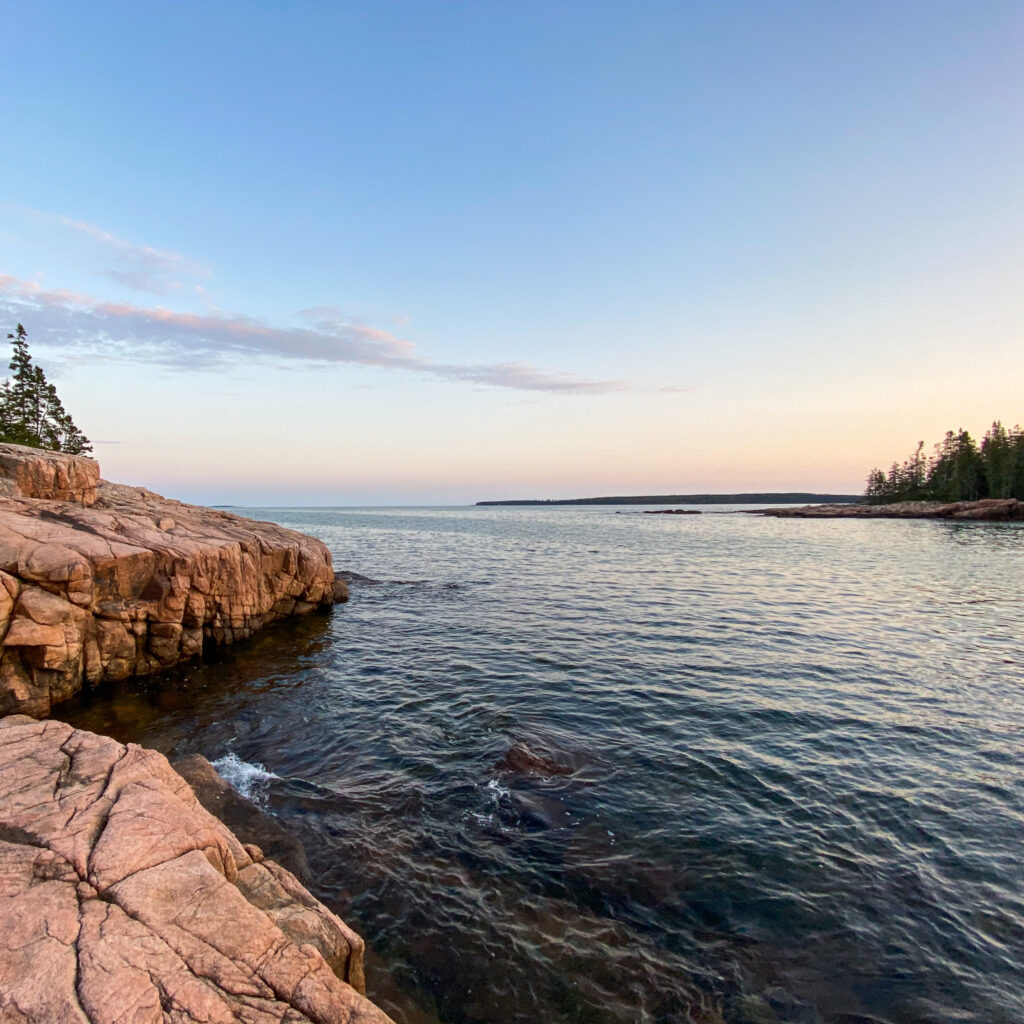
(760, 498)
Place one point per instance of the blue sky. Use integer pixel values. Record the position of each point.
(410, 252)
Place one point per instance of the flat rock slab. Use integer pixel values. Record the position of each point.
(123, 900)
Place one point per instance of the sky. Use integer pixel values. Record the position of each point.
(387, 252)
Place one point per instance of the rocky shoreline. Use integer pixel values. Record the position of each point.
(122, 895)
(995, 510)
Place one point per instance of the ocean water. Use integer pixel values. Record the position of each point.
(780, 762)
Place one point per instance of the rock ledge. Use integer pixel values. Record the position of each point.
(100, 581)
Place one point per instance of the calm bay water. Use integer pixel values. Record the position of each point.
(790, 761)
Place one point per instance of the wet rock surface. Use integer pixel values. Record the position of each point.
(100, 581)
(122, 898)
(520, 759)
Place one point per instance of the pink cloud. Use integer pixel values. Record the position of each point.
(192, 340)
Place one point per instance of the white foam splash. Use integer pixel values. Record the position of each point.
(497, 791)
(252, 780)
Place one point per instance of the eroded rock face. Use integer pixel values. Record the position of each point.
(122, 899)
(135, 583)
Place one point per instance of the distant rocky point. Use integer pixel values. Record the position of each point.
(759, 498)
(99, 581)
(984, 510)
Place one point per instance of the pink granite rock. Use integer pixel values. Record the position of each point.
(131, 583)
(122, 899)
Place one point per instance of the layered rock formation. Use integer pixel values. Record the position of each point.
(122, 899)
(986, 510)
(100, 581)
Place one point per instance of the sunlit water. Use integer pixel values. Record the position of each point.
(792, 750)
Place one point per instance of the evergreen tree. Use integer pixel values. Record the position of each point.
(1014, 464)
(877, 487)
(997, 456)
(31, 413)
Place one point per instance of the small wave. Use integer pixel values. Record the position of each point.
(252, 780)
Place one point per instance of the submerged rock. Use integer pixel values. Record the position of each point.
(122, 898)
(347, 576)
(537, 811)
(672, 512)
(100, 581)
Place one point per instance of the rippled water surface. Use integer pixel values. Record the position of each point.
(784, 762)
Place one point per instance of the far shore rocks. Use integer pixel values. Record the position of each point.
(671, 512)
(997, 510)
(99, 581)
(122, 898)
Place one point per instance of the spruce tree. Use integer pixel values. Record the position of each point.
(997, 456)
(877, 490)
(23, 407)
(31, 413)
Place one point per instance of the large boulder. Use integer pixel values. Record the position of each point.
(132, 583)
(122, 899)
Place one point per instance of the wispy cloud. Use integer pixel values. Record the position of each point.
(140, 267)
(86, 326)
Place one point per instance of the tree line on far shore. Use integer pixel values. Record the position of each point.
(958, 469)
(30, 411)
